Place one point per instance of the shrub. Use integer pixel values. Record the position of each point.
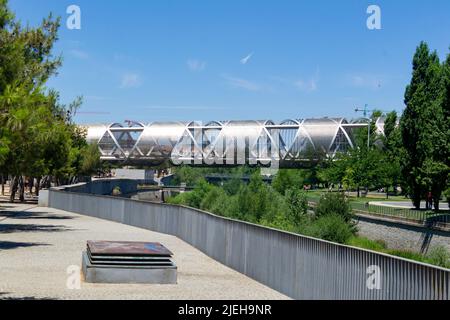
(287, 179)
(334, 203)
(197, 195)
(226, 206)
(439, 256)
(185, 174)
(116, 191)
(365, 243)
(280, 222)
(447, 195)
(193, 198)
(232, 186)
(209, 198)
(254, 199)
(181, 198)
(297, 205)
(407, 255)
(331, 227)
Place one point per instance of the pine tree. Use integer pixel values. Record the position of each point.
(37, 135)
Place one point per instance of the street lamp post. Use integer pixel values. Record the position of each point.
(365, 111)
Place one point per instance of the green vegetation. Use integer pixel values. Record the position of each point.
(191, 176)
(414, 154)
(262, 203)
(335, 203)
(331, 227)
(362, 242)
(437, 255)
(425, 126)
(361, 205)
(116, 191)
(38, 138)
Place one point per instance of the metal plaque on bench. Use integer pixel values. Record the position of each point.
(128, 262)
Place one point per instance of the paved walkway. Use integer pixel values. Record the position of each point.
(37, 245)
(443, 205)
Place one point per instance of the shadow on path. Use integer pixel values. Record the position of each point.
(3, 206)
(8, 245)
(3, 294)
(10, 228)
(33, 215)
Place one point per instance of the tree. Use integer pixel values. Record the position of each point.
(333, 170)
(334, 203)
(298, 205)
(185, 174)
(90, 162)
(424, 129)
(446, 109)
(37, 135)
(393, 152)
(287, 179)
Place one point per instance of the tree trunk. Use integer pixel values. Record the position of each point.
(387, 192)
(38, 184)
(21, 189)
(357, 192)
(31, 185)
(416, 198)
(436, 204)
(45, 182)
(436, 199)
(3, 185)
(13, 188)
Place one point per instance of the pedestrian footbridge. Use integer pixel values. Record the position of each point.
(289, 143)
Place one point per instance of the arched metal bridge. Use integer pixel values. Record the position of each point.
(290, 143)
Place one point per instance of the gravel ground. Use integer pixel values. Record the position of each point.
(38, 245)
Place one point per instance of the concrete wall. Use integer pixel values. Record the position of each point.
(136, 174)
(43, 198)
(103, 186)
(298, 266)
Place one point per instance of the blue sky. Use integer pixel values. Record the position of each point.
(184, 60)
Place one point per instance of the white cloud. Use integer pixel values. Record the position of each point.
(183, 108)
(369, 81)
(130, 80)
(196, 65)
(242, 83)
(246, 59)
(310, 84)
(79, 54)
(306, 85)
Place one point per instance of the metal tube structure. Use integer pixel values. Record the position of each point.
(290, 143)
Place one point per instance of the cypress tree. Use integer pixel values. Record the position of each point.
(423, 128)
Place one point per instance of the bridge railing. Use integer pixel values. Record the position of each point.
(298, 266)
